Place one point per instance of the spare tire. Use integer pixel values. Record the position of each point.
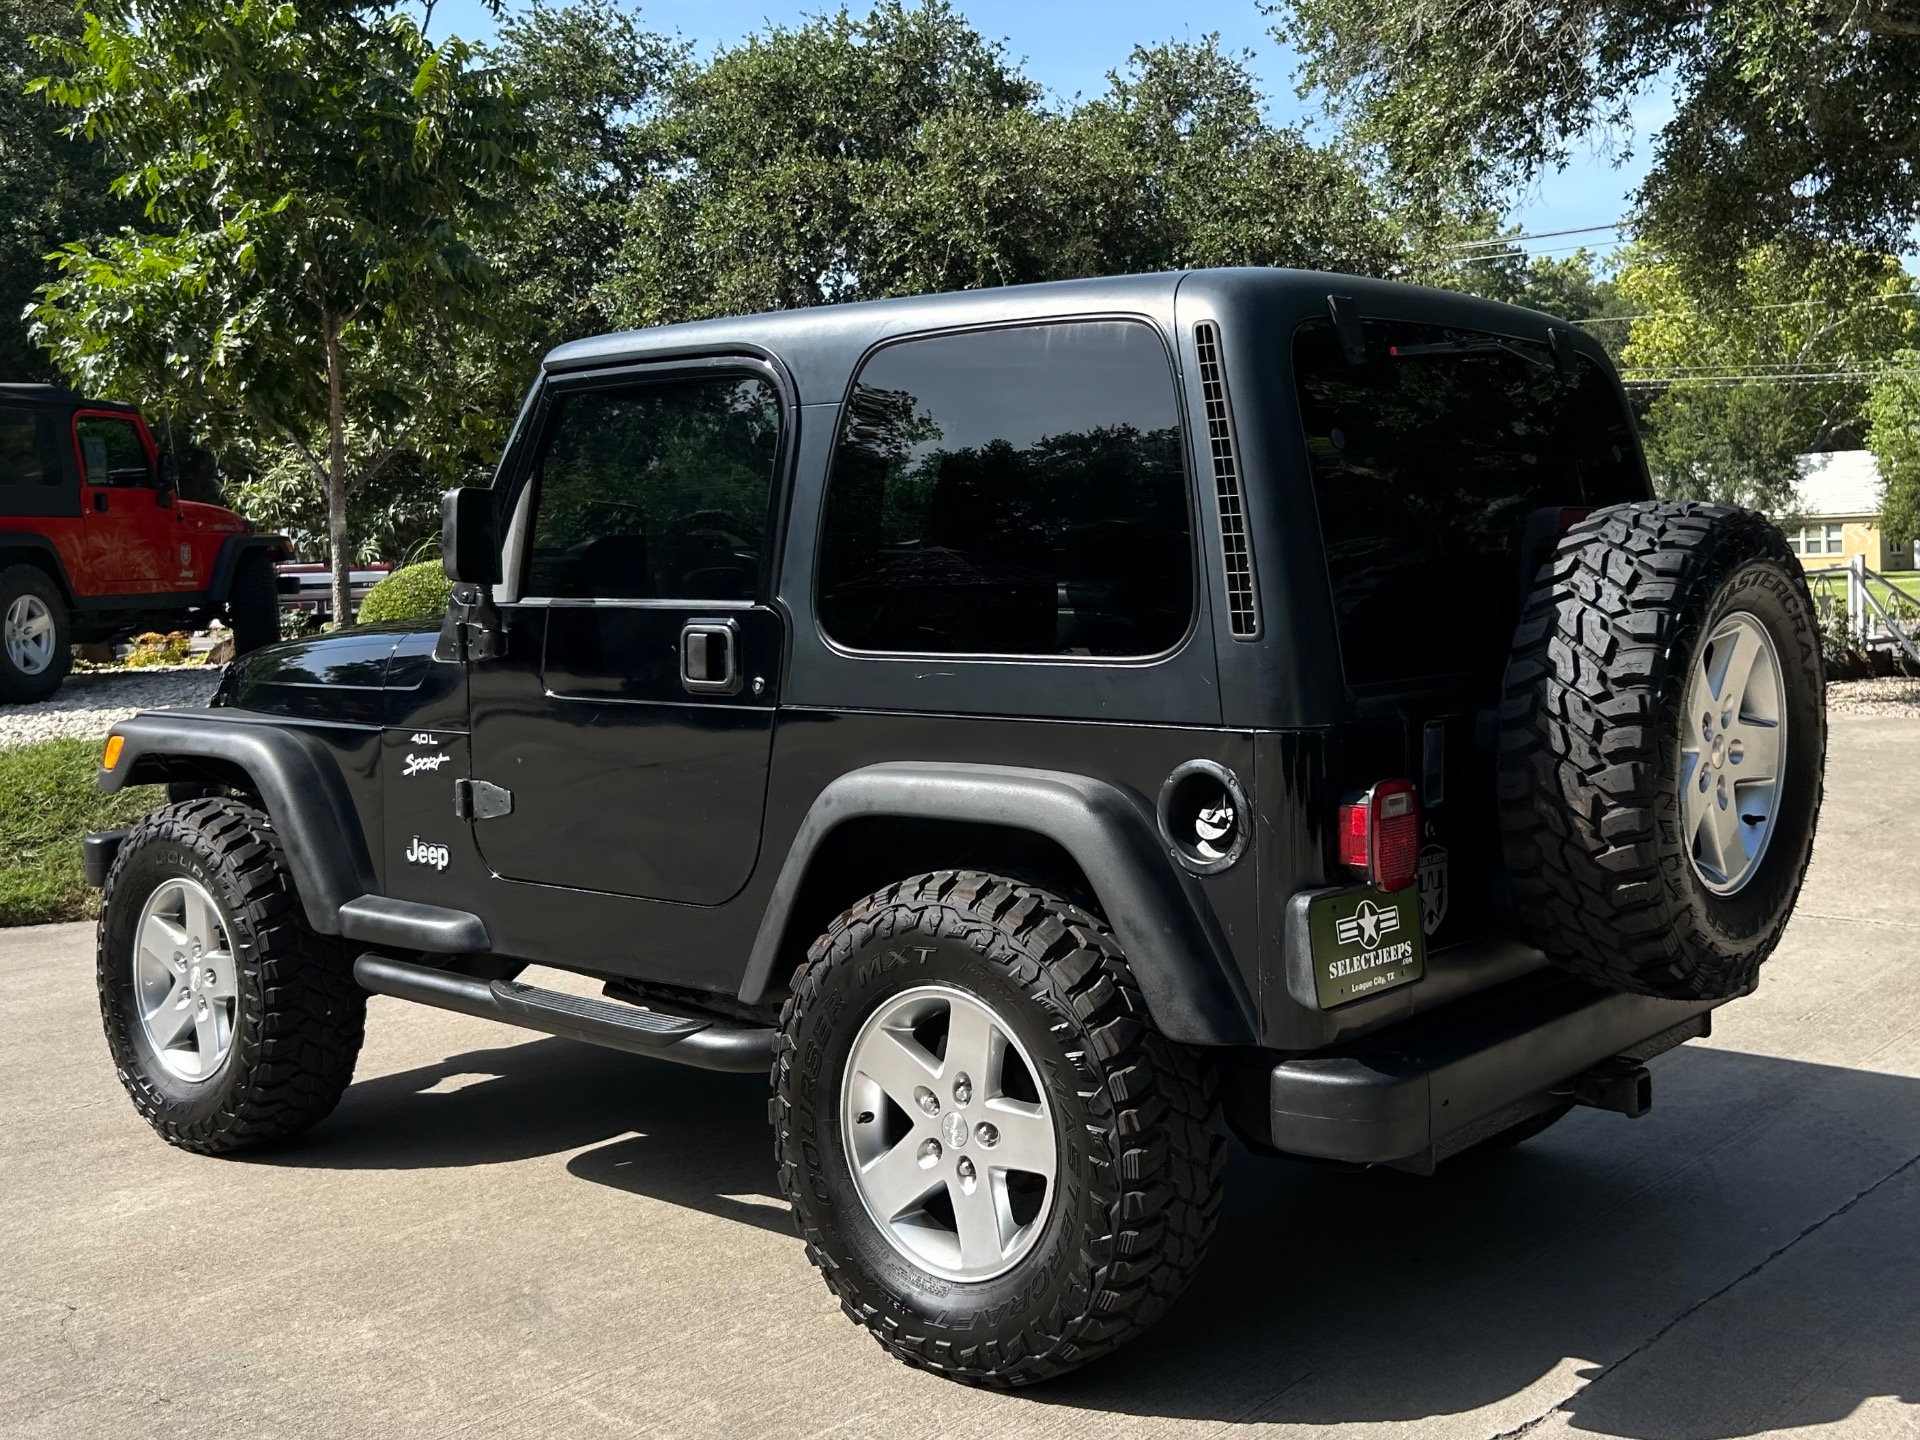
(1662, 748)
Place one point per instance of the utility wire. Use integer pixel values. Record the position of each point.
(1501, 241)
(1906, 298)
(1543, 250)
(1823, 377)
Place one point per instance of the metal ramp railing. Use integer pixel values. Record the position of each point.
(1871, 619)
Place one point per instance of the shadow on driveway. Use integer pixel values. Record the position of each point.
(1334, 1297)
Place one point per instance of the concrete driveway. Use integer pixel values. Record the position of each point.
(499, 1235)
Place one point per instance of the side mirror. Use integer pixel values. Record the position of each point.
(469, 542)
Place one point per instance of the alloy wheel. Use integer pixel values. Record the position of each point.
(948, 1133)
(1732, 753)
(184, 979)
(29, 634)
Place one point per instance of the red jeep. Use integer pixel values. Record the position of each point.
(96, 540)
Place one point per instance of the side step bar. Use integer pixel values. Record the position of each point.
(709, 1044)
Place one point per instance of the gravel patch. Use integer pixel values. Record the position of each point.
(89, 705)
(1883, 695)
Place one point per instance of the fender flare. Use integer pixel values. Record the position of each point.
(41, 545)
(299, 782)
(228, 561)
(1159, 914)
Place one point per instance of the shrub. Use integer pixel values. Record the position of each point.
(153, 648)
(415, 592)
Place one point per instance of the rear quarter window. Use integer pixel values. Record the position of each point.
(1427, 462)
(1018, 491)
(27, 449)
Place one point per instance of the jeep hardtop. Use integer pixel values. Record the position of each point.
(96, 540)
(1040, 728)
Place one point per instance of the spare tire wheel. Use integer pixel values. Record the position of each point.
(1663, 742)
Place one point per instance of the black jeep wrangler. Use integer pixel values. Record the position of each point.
(1040, 727)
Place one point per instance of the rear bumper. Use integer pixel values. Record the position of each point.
(1413, 1097)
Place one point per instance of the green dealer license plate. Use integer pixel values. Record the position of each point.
(1364, 942)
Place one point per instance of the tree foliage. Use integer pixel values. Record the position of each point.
(1893, 434)
(54, 187)
(1782, 365)
(314, 176)
(899, 153)
(1796, 120)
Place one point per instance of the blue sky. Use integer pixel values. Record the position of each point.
(1070, 47)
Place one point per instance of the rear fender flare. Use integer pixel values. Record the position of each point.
(1159, 914)
(43, 552)
(227, 562)
(298, 781)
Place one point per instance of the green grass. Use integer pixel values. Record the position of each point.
(47, 802)
(1905, 581)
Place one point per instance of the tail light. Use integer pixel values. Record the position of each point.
(1380, 834)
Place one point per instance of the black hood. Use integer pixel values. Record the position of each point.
(341, 676)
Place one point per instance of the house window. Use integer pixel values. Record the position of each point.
(1833, 539)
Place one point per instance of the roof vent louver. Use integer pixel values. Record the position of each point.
(1243, 605)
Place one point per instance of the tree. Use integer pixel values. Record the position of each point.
(315, 176)
(1779, 366)
(54, 187)
(901, 153)
(1893, 434)
(1795, 120)
(594, 86)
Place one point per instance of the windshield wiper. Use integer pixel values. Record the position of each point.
(1480, 346)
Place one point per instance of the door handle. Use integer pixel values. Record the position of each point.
(710, 657)
(100, 499)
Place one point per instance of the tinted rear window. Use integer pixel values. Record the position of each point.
(1013, 492)
(27, 453)
(1426, 467)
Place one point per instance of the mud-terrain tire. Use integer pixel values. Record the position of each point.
(35, 635)
(1137, 1137)
(253, 604)
(1637, 859)
(296, 1015)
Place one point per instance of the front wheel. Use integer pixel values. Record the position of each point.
(1000, 1167)
(230, 1022)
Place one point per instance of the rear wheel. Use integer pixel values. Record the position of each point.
(253, 604)
(1663, 746)
(1000, 1167)
(35, 652)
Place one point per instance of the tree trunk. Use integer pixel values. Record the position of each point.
(339, 542)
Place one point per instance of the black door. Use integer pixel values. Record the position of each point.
(631, 716)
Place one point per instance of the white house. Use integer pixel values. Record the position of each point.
(1836, 513)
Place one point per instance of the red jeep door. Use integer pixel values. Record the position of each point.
(131, 545)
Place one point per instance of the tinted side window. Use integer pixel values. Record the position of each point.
(27, 454)
(111, 452)
(1426, 463)
(1012, 492)
(656, 491)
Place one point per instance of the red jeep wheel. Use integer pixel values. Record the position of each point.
(34, 636)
